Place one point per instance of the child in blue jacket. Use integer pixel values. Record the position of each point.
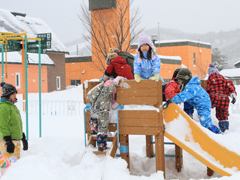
(196, 96)
(147, 63)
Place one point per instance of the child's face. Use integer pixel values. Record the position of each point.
(144, 48)
(179, 82)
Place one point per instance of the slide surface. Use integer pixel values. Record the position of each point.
(199, 141)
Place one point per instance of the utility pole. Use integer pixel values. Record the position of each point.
(158, 37)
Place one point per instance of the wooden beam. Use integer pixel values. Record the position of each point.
(149, 146)
(178, 158)
(124, 142)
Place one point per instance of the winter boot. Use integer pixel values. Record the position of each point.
(223, 125)
(102, 142)
(215, 129)
(93, 125)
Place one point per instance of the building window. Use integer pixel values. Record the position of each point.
(194, 59)
(58, 83)
(75, 82)
(18, 80)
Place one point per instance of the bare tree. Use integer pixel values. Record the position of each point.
(109, 30)
(202, 68)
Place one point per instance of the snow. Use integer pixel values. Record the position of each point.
(16, 57)
(235, 72)
(60, 152)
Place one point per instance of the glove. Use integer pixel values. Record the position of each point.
(24, 142)
(117, 79)
(101, 79)
(13, 159)
(166, 103)
(223, 125)
(137, 78)
(234, 98)
(9, 143)
(215, 129)
(155, 77)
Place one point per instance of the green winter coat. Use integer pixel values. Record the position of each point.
(10, 120)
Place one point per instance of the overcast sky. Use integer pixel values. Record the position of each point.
(194, 16)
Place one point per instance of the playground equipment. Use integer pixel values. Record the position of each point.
(158, 122)
(4, 38)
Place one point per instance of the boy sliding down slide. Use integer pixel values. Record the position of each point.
(196, 96)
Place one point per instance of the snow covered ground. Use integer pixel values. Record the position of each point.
(60, 153)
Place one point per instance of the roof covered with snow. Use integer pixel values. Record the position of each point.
(32, 26)
(235, 72)
(33, 58)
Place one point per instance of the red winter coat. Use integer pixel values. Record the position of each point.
(172, 89)
(219, 89)
(119, 64)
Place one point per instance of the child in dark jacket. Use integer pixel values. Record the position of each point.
(196, 96)
(219, 90)
(172, 89)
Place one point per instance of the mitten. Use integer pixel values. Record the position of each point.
(165, 105)
(155, 77)
(9, 143)
(13, 159)
(101, 79)
(214, 129)
(137, 78)
(24, 142)
(117, 79)
(223, 125)
(234, 98)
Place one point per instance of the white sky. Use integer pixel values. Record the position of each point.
(186, 15)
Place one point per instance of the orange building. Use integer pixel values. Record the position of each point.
(196, 56)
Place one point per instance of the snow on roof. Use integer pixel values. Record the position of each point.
(33, 58)
(32, 26)
(176, 40)
(236, 63)
(230, 72)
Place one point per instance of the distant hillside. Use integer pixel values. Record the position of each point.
(228, 42)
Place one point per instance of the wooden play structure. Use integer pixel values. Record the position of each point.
(137, 122)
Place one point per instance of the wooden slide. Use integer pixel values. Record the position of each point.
(198, 142)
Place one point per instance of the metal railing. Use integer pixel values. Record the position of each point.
(53, 107)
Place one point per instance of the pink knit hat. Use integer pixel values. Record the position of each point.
(144, 39)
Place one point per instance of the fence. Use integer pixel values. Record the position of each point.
(58, 108)
(75, 108)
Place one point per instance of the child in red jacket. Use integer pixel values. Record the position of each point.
(117, 66)
(172, 89)
(219, 90)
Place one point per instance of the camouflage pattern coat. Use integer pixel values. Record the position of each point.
(101, 96)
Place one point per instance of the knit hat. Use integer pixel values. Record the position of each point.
(184, 75)
(175, 73)
(212, 69)
(111, 54)
(7, 89)
(144, 39)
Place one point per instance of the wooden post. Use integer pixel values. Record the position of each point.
(159, 152)
(209, 171)
(178, 158)
(149, 146)
(124, 142)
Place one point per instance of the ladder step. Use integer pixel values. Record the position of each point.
(100, 152)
